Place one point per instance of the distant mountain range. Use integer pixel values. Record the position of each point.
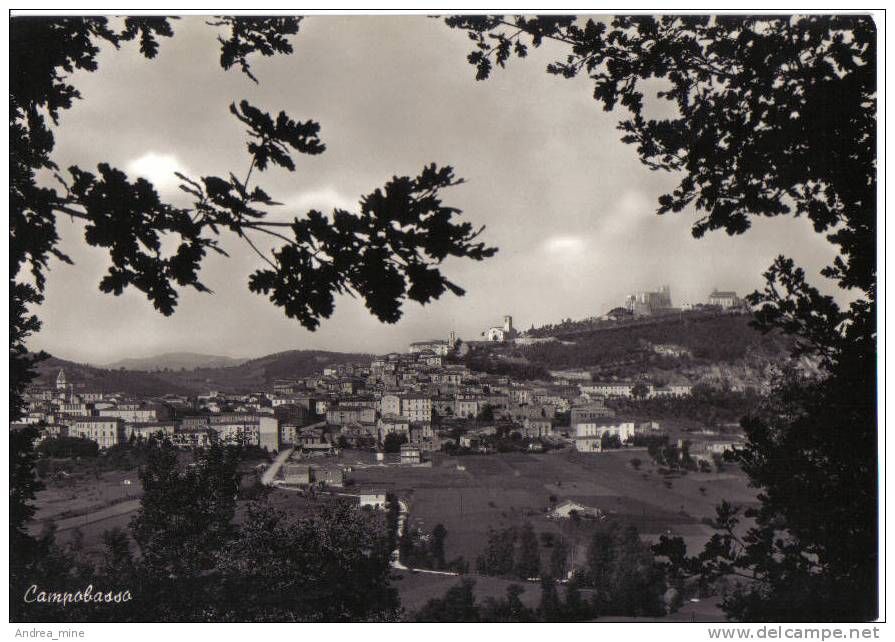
(247, 376)
(175, 361)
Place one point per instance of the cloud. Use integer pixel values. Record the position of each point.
(158, 168)
(626, 215)
(324, 200)
(564, 245)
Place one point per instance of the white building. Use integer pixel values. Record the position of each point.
(568, 507)
(417, 408)
(467, 406)
(725, 299)
(392, 424)
(133, 413)
(373, 500)
(608, 389)
(105, 431)
(148, 429)
(412, 407)
(501, 333)
(588, 436)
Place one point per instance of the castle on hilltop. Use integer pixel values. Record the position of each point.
(644, 304)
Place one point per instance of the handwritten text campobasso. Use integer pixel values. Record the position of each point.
(86, 596)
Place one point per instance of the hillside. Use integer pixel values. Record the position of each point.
(106, 380)
(175, 361)
(262, 372)
(252, 375)
(714, 347)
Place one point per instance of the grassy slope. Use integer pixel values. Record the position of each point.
(502, 490)
(712, 339)
(722, 348)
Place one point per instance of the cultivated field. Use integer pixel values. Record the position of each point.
(472, 493)
(89, 503)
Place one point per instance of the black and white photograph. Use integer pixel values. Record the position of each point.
(446, 316)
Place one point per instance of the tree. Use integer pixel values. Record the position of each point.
(486, 413)
(23, 486)
(640, 390)
(457, 605)
(436, 545)
(550, 609)
(528, 556)
(497, 558)
(575, 609)
(610, 441)
(393, 515)
(760, 101)
(407, 546)
(331, 564)
(68, 447)
(392, 442)
(558, 557)
(508, 609)
(184, 521)
(622, 572)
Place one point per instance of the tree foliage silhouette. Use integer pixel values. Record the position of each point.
(387, 252)
(774, 115)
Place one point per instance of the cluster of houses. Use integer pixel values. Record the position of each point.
(413, 403)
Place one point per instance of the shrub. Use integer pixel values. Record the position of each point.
(68, 447)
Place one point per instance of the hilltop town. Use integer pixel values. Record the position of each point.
(427, 399)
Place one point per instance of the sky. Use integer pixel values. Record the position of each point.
(570, 207)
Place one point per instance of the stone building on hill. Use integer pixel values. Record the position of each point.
(501, 333)
(645, 304)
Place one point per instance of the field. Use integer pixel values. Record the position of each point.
(90, 503)
(471, 494)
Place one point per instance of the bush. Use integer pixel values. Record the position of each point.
(392, 442)
(68, 447)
